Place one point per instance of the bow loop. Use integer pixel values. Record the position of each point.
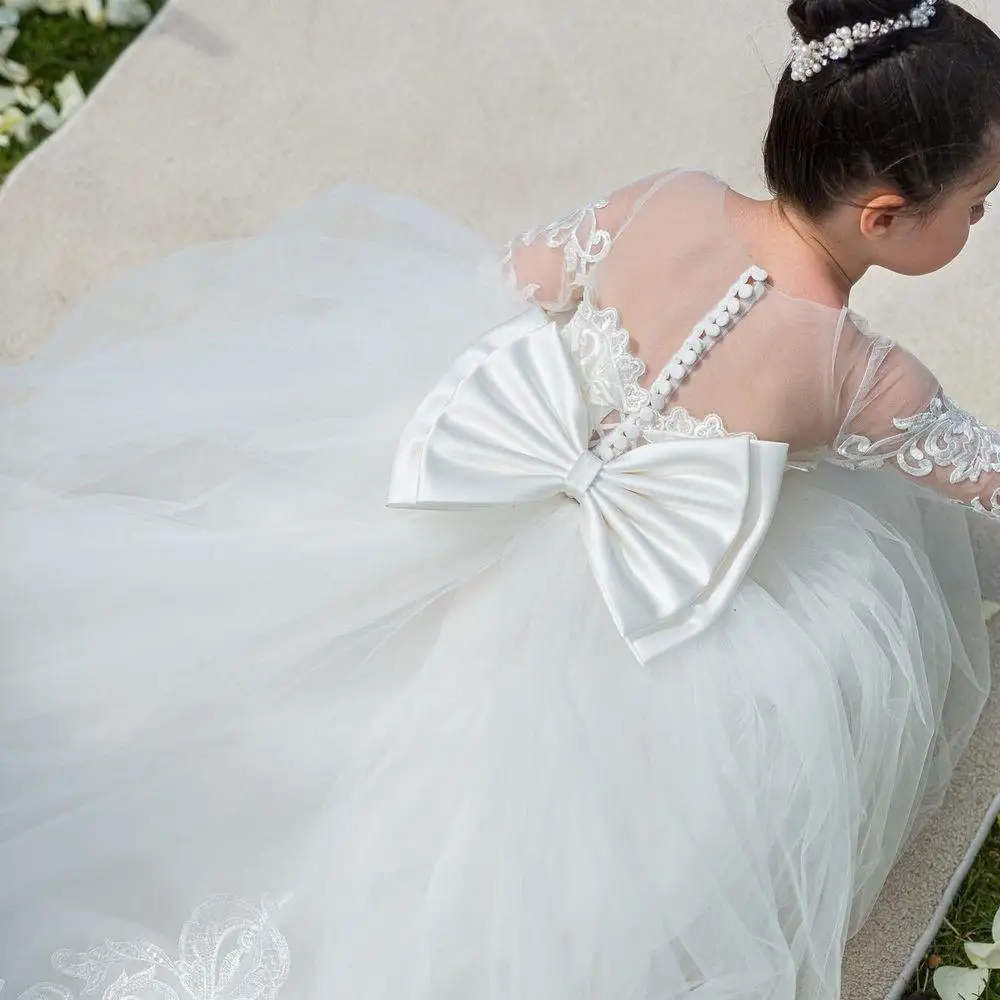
(670, 527)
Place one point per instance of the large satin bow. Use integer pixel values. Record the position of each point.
(670, 528)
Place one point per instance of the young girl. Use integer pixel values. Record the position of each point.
(661, 651)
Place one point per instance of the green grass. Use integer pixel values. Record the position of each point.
(51, 47)
(971, 916)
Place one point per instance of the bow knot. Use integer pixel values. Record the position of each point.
(582, 476)
(670, 528)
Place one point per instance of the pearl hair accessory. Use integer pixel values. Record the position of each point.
(809, 58)
(740, 299)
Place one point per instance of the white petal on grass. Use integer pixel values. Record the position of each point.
(990, 610)
(25, 97)
(7, 38)
(93, 10)
(11, 122)
(70, 94)
(986, 955)
(9, 17)
(9, 69)
(983, 956)
(128, 13)
(960, 984)
(30, 97)
(14, 71)
(46, 116)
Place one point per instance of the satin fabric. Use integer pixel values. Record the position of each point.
(670, 527)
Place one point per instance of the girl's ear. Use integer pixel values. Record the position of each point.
(880, 214)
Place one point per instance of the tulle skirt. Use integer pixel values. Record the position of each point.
(262, 737)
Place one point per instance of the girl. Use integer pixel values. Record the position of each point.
(662, 649)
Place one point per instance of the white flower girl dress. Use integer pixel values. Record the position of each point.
(336, 667)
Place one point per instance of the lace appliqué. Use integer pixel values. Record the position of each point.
(600, 347)
(566, 233)
(228, 950)
(680, 422)
(941, 437)
(583, 244)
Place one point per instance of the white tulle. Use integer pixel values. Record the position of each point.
(231, 674)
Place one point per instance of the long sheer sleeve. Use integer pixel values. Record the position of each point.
(549, 266)
(896, 413)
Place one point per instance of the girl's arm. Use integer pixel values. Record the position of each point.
(896, 413)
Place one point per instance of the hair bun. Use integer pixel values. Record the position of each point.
(815, 19)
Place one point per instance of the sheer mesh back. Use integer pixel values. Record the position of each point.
(662, 252)
(672, 258)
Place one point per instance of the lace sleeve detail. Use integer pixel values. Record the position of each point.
(548, 266)
(894, 413)
(552, 265)
(943, 441)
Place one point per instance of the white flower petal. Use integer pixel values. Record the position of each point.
(22, 131)
(960, 984)
(46, 116)
(70, 94)
(14, 123)
(990, 610)
(983, 956)
(996, 927)
(8, 97)
(14, 71)
(9, 117)
(30, 97)
(128, 13)
(94, 11)
(7, 38)
(9, 17)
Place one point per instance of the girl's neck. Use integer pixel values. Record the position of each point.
(829, 249)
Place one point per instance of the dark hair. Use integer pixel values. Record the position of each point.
(914, 110)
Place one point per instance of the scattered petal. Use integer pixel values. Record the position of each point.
(11, 121)
(9, 17)
(70, 95)
(93, 10)
(14, 71)
(46, 116)
(983, 956)
(30, 97)
(128, 13)
(986, 956)
(7, 38)
(960, 984)
(990, 610)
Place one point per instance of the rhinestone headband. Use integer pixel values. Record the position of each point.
(808, 58)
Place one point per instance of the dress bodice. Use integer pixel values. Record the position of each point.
(611, 377)
(611, 374)
(631, 275)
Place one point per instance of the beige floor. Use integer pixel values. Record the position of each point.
(505, 112)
